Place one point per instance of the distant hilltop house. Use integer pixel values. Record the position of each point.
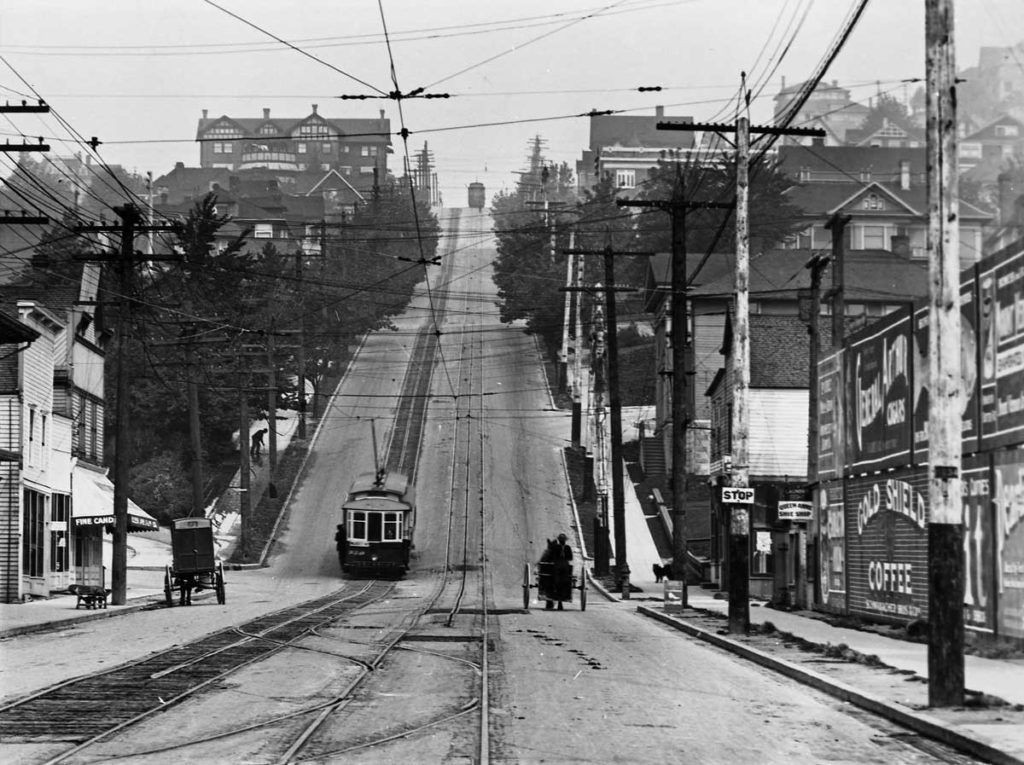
(353, 147)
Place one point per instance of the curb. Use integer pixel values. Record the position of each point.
(137, 604)
(922, 724)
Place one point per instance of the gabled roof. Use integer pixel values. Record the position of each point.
(868, 276)
(370, 129)
(883, 162)
(823, 198)
(988, 131)
(13, 331)
(658, 281)
(332, 180)
(633, 131)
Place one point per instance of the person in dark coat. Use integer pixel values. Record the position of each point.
(257, 442)
(559, 555)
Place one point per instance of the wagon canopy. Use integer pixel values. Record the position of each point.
(92, 502)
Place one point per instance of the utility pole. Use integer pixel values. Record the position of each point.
(244, 478)
(837, 225)
(8, 148)
(817, 265)
(125, 260)
(300, 352)
(945, 381)
(615, 408)
(681, 348)
(119, 576)
(739, 523)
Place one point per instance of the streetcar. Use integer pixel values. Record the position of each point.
(477, 195)
(376, 529)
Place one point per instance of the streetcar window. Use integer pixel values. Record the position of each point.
(373, 534)
(357, 525)
(392, 526)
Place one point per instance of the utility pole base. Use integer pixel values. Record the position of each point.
(945, 615)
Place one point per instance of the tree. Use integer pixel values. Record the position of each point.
(771, 218)
(886, 108)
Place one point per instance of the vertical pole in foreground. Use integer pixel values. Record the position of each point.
(615, 406)
(300, 352)
(244, 482)
(119, 563)
(739, 521)
(680, 388)
(945, 523)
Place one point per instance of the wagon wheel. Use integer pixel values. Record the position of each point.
(219, 583)
(168, 586)
(526, 586)
(583, 588)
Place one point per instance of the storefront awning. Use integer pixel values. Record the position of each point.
(92, 503)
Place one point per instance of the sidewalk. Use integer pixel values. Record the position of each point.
(148, 554)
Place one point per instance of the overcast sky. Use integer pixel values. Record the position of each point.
(138, 73)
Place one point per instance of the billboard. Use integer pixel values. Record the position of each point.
(878, 391)
(1001, 335)
(1008, 498)
(887, 545)
(970, 414)
(830, 411)
(979, 545)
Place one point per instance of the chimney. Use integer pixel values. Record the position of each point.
(205, 112)
(266, 114)
(1007, 199)
(382, 114)
(179, 165)
(314, 108)
(659, 111)
(905, 174)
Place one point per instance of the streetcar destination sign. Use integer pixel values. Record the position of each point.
(737, 495)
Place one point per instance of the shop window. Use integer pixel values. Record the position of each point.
(60, 532)
(32, 542)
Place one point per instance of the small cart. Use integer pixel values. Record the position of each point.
(194, 564)
(555, 584)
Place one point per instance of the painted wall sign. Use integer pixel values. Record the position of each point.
(878, 389)
(795, 511)
(1001, 319)
(979, 544)
(1008, 498)
(832, 545)
(830, 411)
(970, 414)
(887, 545)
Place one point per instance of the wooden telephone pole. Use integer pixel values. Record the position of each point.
(125, 260)
(739, 522)
(945, 381)
(615, 407)
(681, 398)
